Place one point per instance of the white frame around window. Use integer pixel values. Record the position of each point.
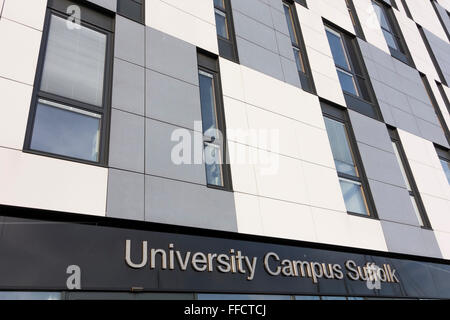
(353, 80)
(361, 188)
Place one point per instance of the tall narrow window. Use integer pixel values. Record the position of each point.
(225, 30)
(352, 73)
(213, 123)
(414, 195)
(132, 9)
(70, 110)
(354, 17)
(391, 31)
(298, 47)
(435, 105)
(348, 165)
(444, 158)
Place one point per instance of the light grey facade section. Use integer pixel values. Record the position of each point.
(187, 204)
(128, 87)
(156, 103)
(400, 225)
(263, 39)
(129, 41)
(164, 156)
(126, 191)
(410, 240)
(126, 141)
(172, 100)
(401, 94)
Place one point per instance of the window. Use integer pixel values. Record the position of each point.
(213, 123)
(225, 30)
(348, 164)
(302, 2)
(435, 105)
(444, 158)
(391, 32)
(298, 47)
(414, 195)
(70, 110)
(132, 9)
(354, 17)
(352, 74)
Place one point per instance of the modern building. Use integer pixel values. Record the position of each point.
(224, 149)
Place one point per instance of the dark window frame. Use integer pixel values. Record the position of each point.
(339, 114)
(443, 155)
(355, 19)
(443, 95)
(395, 138)
(406, 8)
(97, 19)
(302, 3)
(209, 63)
(228, 47)
(122, 10)
(367, 103)
(437, 67)
(435, 105)
(402, 53)
(306, 78)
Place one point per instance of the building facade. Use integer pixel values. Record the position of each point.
(170, 148)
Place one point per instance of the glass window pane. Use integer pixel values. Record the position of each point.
(16, 295)
(347, 82)
(213, 161)
(334, 298)
(307, 298)
(337, 50)
(221, 24)
(74, 62)
(208, 102)
(390, 40)
(66, 131)
(202, 296)
(353, 196)
(402, 168)
(219, 4)
(343, 158)
(381, 16)
(416, 210)
(290, 23)
(446, 167)
(298, 60)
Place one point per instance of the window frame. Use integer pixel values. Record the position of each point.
(339, 114)
(306, 77)
(364, 105)
(227, 44)
(402, 52)
(435, 105)
(443, 155)
(123, 12)
(414, 192)
(355, 19)
(209, 63)
(101, 21)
